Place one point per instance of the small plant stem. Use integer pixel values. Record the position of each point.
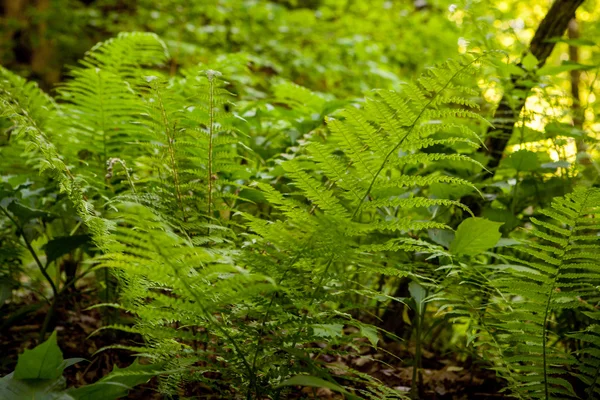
(268, 311)
(129, 180)
(415, 384)
(513, 204)
(211, 113)
(171, 150)
(32, 251)
(47, 320)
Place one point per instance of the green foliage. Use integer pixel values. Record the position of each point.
(252, 228)
(38, 376)
(43, 362)
(475, 235)
(557, 271)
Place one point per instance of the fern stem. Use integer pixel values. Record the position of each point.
(102, 124)
(312, 300)
(416, 376)
(313, 297)
(110, 165)
(171, 150)
(211, 112)
(283, 276)
(41, 267)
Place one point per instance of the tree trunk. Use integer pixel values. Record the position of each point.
(553, 25)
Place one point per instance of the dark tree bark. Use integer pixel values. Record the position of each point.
(553, 25)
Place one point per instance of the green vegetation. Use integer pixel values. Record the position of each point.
(299, 199)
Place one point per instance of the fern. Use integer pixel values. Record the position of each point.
(349, 194)
(157, 168)
(558, 271)
(31, 115)
(588, 357)
(40, 107)
(102, 106)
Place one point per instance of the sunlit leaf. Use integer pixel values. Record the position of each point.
(475, 235)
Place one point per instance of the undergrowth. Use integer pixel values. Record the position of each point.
(244, 272)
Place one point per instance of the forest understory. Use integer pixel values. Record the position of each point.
(284, 199)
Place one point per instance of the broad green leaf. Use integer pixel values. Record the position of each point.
(24, 214)
(529, 62)
(506, 217)
(560, 129)
(32, 389)
(441, 236)
(512, 69)
(523, 160)
(506, 242)
(62, 245)
(7, 195)
(43, 362)
(313, 381)
(449, 191)
(328, 330)
(419, 294)
(475, 235)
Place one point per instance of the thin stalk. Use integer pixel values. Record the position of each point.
(211, 112)
(47, 320)
(32, 251)
(171, 150)
(42, 269)
(55, 299)
(268, 311)
(513, 204)
(110, 166)
(416, 376)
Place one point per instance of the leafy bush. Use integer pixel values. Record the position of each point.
(253, 236)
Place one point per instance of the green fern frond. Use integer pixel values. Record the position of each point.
(560, 277)
(103, 110)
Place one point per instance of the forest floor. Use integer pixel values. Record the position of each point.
(443, 377)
